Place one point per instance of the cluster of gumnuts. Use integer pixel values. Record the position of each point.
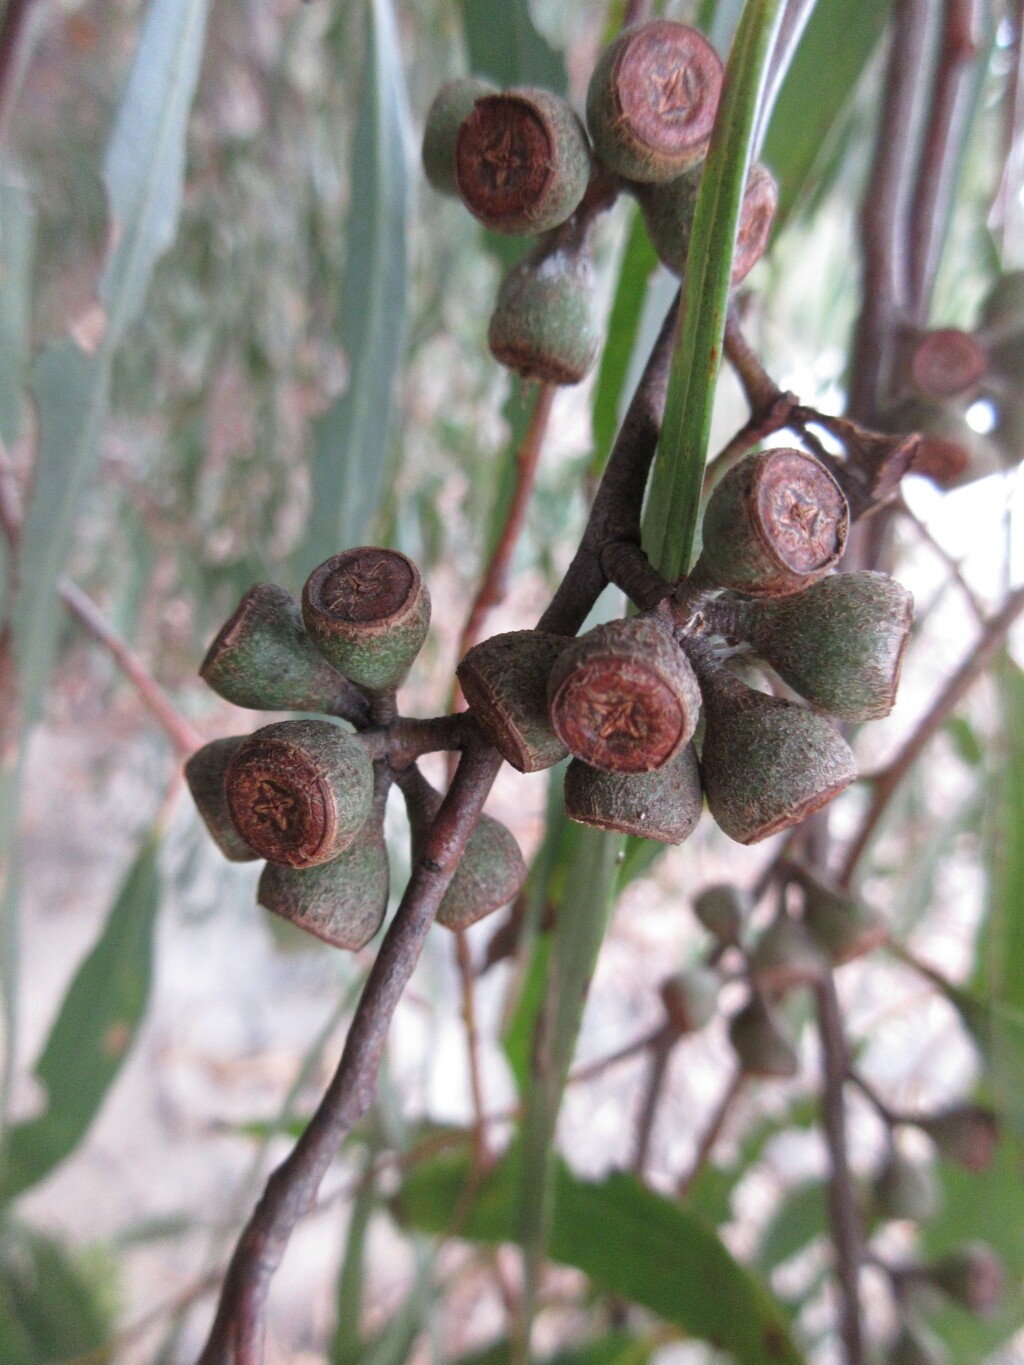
(523, 164)
(942, 374)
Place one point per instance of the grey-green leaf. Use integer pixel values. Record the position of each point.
(504, 43)
(17, 252)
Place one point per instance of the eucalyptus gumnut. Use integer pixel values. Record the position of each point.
(367, 611)
(342, 901)
(950, 452)
(971, 1275)
(690, 998)
(916, 1344)
(543, 324)
(300, 791)
(786, 956)
(522, 161)
(774, 524)
(905, 1189)
(965, 1133)
(505, 681)
(766, 763)
(262, 657)
(947, 363)
(664, 804)
(652, 100)
(668, 211)
(452, 104)
(843, 927)
(761, 1043)
(204, 773)
(839, 643)
(491, 872)
(723, 909)
(623, 697)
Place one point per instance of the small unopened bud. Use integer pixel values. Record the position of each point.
(623, 697)
(491, 872)
(972, 1276)
(785, 956)
(263, 659)
(652, 100)
(965, 1133)
(723, 909)
(204, 773)
(760, 1042)
(505, 682)
(543, 324)
(300, 791)
(367, 611)
(777, 522)
(946, 363)
(668, 214)
(665, 804)
(451, 105)
(843, 928)
(690, 998)
(905, 1189)
(522, 161)
(916, 1344)
(342, 901)
(839, 643)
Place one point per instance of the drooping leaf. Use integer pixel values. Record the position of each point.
(49, 1311)
(629, 1240)
(93, 1032)
(350, 459)
(670, 520)
(614, 1349)
(504, 44)
(802, 1216)
(17, 253)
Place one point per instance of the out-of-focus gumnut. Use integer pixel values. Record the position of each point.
(522, 161)
(947, 363)
(766, 763)
(505, 682)
(543, 324)
(916, 1344)
(843, 928)
(652, 100)
(367, 611)
(343, 901)
(840, 643)
(665, 804)
(690, 998)
(965, 1133)
(450, 106)
(723, 909)
(950, 453)
(1002, 313)
(905, 1189)
(777, 522)
(785, 956)
(204, 773)
(668, 214)
(623, 697)
(492, 871)
(300, 791)
(263, 659)
(761, 1043)
(972, 1275)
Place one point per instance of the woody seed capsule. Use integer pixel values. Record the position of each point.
(785, 956)
(916, 1344)
(204, 773)
(342, 901)
(300, 791)
(690, 998)
(367, 611)
(723, 910)
(505, 681)
(760, 1042)
(972, 1275)
(543, 323)
(652, 100)
(947, 362)
(665, 804)
(451, 105)
(774, 524)
(842, 927)
(965, 1133)
(623, 697)
(263, 659)
(905, 1189)
(522, 161)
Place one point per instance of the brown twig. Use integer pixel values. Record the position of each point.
(182, 735)
(590, 1070)
(711, 1133)
(941, 553)
(660, 1052)
(761, 390)
(885, 782)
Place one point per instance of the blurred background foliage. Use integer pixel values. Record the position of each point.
(220, 273)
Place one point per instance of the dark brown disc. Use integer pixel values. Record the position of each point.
(365, 584)
(618, 715)
(667, 81)
(504, 158)
(802, 512)
(947, 362)
(280, 803)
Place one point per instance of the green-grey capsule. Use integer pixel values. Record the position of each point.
(543, 325)
(905, 1189)
(342, 901)
(843, 927)
(664, 804)
(691, 998)
(761, 1043)
(723, 909)
(204, 773)
(668, 214)
(452, 104)
(786, 956)
(505, 681)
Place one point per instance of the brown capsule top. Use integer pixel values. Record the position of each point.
(757, 214)
(366, 584)
(623, 697)
(652, 100)
(298, 792)
(947, 362)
